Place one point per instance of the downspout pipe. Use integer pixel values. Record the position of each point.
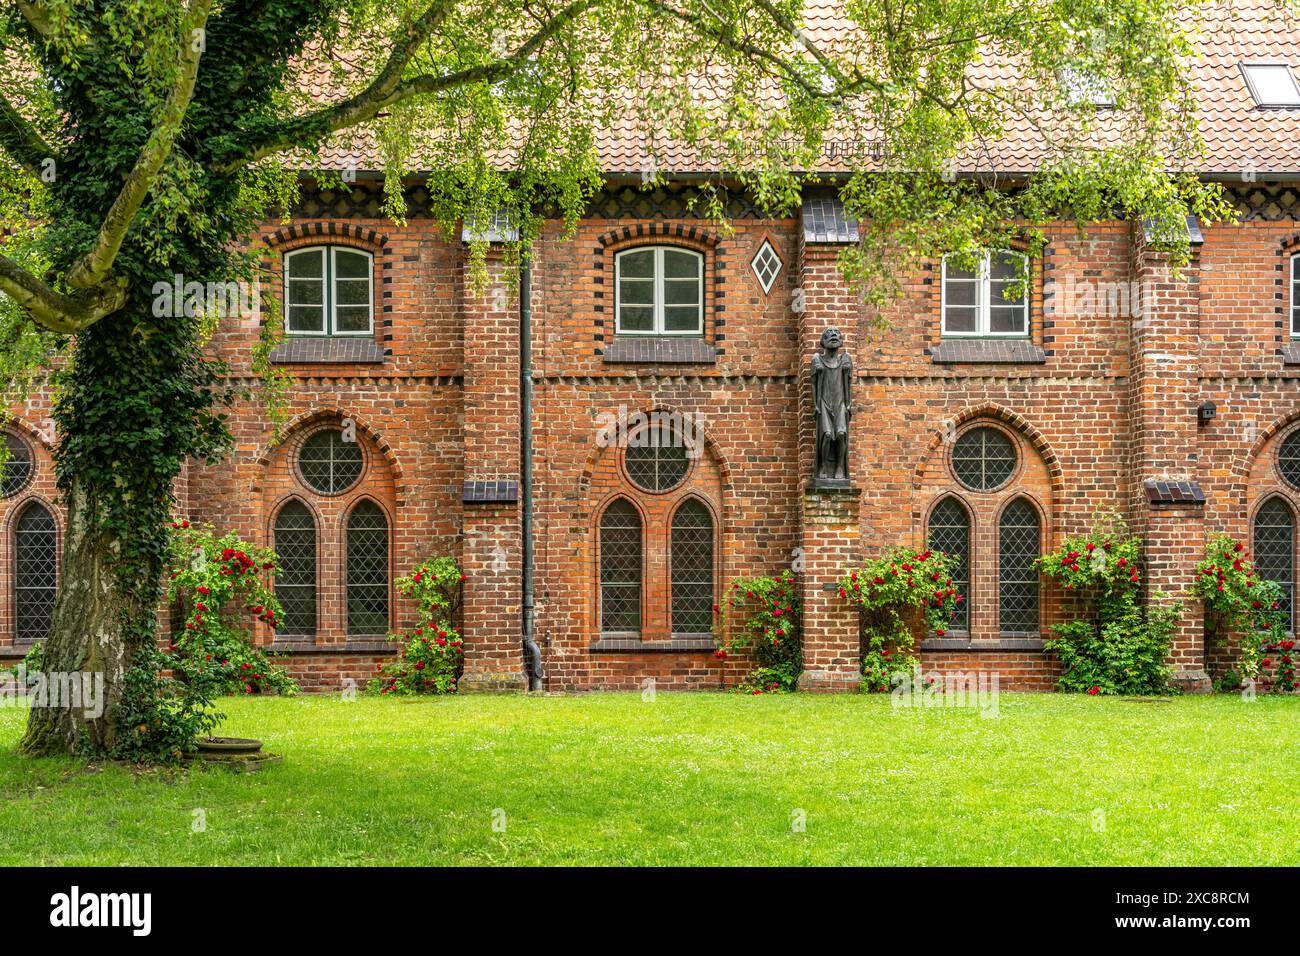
(532, 653)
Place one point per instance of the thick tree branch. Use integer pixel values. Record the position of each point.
(389, 89)
(91, 268)
(36, 17)
(20, 140)
(54, 311)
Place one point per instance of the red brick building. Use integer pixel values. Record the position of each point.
(995, 427)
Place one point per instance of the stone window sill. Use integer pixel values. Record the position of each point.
(621, 644)
(1291, 354)
(966, 644)
(659, 350)
(987, 352)
(295, 350)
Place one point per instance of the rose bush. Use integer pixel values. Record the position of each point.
(222, 586)
(767, 623)
(432, 655)
(1238, 600)
(1111, 645)
(891, 589)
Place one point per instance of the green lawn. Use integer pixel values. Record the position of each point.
(690, 779)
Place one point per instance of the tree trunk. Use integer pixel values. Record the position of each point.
(88, 635)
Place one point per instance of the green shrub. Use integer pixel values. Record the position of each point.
(767, 613)
(30, 664)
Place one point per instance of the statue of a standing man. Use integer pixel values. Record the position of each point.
(832, 374)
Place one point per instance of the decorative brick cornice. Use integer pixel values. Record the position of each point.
(326, 230)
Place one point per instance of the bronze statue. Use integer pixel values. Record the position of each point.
(832, 374)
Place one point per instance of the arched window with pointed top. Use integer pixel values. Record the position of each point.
(692, 568)
(36, 570)
(621, 562)
(1274, 541)
(367, 573)
(295, 584)
(950, 532)
(1019, 542)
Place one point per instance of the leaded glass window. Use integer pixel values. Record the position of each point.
(1018, 545)
(692, 557)
(1288, 459)
(620, 568)
(295, 584)
(983, 459)
(17, 469)
(328, 463)
(367, 579)
(656, 459)
(950, 533)
(1275, 550)
(36, 568)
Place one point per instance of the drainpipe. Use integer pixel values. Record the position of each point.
(532, 653)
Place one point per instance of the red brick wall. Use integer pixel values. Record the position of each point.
(1108, 408)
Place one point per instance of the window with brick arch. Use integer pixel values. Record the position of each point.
(327, 291)
(36, 569)
(1274, 541)
(621, 562)
(1295, 295)
(659, 290)
(1019, 542)
(295, 584)
(950, 532)
(367, 574)
(692, 564)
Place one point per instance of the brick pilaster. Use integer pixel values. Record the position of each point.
(830, 522)
(492, 530)
(830, 533)
(1164, 396)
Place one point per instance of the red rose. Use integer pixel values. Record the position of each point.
(1094, 690)
(939, 632)
(419, 666)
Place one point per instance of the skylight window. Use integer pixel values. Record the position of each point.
(1272, 84)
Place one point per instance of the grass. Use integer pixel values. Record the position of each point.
(689, 779)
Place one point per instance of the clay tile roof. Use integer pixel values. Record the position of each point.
(1241, 138)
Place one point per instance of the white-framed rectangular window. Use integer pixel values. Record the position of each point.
(1295, 295)
(981, 301)
(659, 290)
(328, 290)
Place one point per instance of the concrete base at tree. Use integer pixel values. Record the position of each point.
(1192, 682)
(829, 682)
(488, 683)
